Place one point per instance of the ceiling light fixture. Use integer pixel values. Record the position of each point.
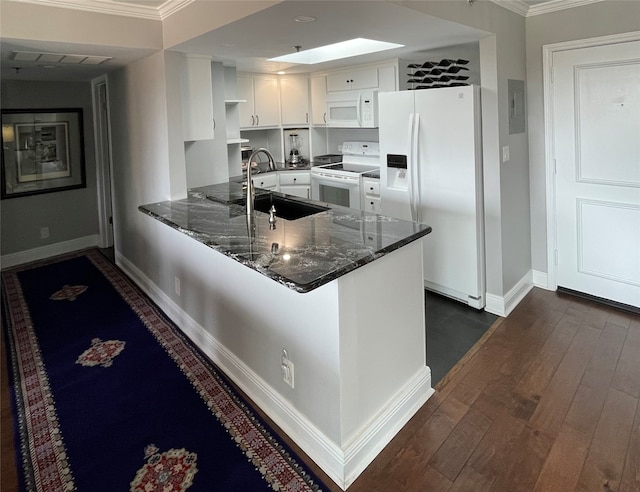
(337, 51)
(305, 18)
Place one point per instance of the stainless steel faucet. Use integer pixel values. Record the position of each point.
(250, 188)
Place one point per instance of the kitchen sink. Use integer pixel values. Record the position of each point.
(286, 208)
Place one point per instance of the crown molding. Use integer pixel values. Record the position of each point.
(172, 6)
(517, 6)
(522, 8)
(117, 8)
(555, 5)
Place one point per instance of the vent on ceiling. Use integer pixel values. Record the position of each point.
(67, 59)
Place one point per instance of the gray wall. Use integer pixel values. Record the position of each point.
(69, 214)
(589, 21)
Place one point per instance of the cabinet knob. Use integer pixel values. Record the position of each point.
(294, 179)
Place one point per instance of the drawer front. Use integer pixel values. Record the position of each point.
(267, 181)
(372, 204)
(372, 187)
(295, 178)
(303, 191)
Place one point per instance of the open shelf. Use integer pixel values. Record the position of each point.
(232, 141)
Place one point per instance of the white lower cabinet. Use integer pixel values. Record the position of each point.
(371, 195)
(267, 181)
(297, 183)
(301, 191)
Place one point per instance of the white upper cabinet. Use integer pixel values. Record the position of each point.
(197, 99)
(319, 100)
(364, 78)
(294, 100)
(388, 78)
(263, 101)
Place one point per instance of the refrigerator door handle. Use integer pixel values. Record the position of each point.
(410, 157)
(415, 167)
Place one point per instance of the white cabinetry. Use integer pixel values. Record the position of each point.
(296, 183)
(263, 101)
(267, 181)
(319, 100)
(197, 99)
(294, 100)
(371, 195)
(364, 78)
(388, 78)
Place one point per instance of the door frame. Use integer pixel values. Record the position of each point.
(103, 162)
(548, 51)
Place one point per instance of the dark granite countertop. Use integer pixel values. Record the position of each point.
(301, 254)
(372, 174)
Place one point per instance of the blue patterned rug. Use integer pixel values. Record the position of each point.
(108, 395)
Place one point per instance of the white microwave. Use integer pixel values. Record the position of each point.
(353, 109)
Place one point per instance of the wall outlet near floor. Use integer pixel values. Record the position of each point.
(177, 285)
(287, 369)
(44, 232)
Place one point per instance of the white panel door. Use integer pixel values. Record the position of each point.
(596, 114)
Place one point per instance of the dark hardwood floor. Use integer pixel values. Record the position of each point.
(546, 400)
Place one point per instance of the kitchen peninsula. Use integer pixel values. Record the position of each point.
(340, 290)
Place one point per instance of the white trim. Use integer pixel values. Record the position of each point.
(49, 250)
(172, 6)
(502, 306)
(526, 10)
(549, 131)
(517, 6)
(117, 8)
(555, 5)
(344, 464)
(540, 279)
(103, 164)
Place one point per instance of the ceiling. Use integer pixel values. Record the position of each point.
(248, 42)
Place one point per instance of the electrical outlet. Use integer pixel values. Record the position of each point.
(44, 232)
(177, 285)
(286, 369)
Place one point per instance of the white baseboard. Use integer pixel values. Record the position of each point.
(343, 465)
(55, 249)
(541, 279)
(502, 306)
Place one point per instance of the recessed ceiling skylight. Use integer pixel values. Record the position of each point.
(337, 51)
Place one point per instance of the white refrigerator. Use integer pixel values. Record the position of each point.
(431, 172)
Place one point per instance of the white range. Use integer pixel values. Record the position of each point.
(341, 183)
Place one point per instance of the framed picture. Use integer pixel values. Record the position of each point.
(42, 151)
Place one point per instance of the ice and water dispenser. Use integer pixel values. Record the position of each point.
(397, 172)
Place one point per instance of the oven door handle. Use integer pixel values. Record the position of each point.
(333, 177)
